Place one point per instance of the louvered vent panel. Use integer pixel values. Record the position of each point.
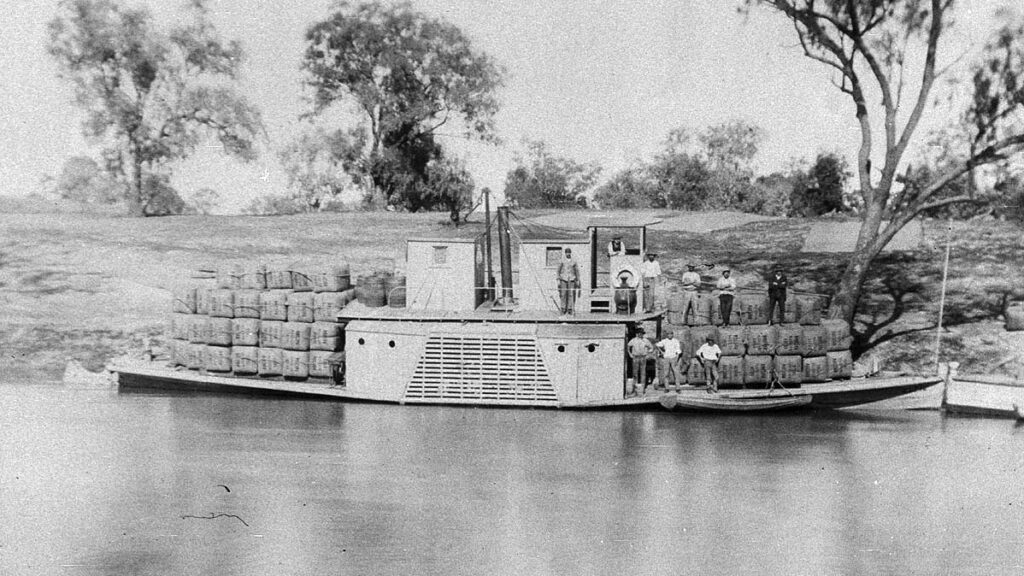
(473, 368)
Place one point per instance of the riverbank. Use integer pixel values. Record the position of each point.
(88, 286)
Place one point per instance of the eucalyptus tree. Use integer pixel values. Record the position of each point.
(149, 96)
(886, 56)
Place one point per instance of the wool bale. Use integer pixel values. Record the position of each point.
(716, 310)
(271, 333)
(294, 364)
(178, 349)
(789, 369)
(814, 341)
(270, 361)
(229, 279)
(203, 300)
(222, 303)
(319, 364)
(1015, 317)
(349, 295)
(254, 278)
(332, 279)
(300, 306)
(274, 305)
(789, 339)
(703, 311)
(375, 291)
(245, 332)
(815, 369)
(731, 371)
(194, 356)
(809, 309)
(327, 305)
(197, 329)
(733, 340)
(302, 280)
(247, 303)
(217, 358)
(218, 331)
(762, 339)
(179, 326)
(751, 308)
(837, 334)
(675, 302)
(695, 372)
(325, 336)
(295, 336)
(184, 300)
(245, 360)
(279, 279)
(676, 318)
(757, 369)
(792, 315)
(840, 364)
(360, 289)
(700, 334)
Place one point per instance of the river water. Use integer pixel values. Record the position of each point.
(101, 482)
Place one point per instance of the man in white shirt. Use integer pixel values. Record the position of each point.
(691, 281)
(672, 351)
(708, 355)
(616, 247)
(726, 292)
(650, 269)
(640, 349)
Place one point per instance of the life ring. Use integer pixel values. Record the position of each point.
(628, 271)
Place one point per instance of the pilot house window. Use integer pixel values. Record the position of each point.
(440, 254)
(552, 256)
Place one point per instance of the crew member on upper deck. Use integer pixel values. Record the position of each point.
(650, 269)
(616, 247)
(568, 282)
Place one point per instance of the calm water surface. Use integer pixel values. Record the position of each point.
(100, 482)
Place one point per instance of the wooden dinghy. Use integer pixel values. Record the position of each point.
(726, 403)
(985, 396)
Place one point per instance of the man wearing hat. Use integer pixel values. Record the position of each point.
(650, 269)
(616, 247)
(640, 349)
(691, 281)
(568, 280)
(708, 355)
(671, 355)
(726, 292)
(777, 286)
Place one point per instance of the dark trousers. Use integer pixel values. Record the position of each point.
(725, 300)
(774, 299)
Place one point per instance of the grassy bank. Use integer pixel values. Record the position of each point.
(89, 286)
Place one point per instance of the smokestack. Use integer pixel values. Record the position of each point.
(505, 250)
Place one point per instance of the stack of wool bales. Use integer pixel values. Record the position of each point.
(260, 321)
(804, 348)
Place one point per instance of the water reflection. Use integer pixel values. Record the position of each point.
(101, 481)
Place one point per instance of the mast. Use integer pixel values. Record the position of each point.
(489, 276)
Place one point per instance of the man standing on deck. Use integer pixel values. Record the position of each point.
(650, 269)
(691, 281)
(671, 350)
(708, 355)
(568, 280)
(726, 292)
(777, 285)
(640, 349)
(616, 247)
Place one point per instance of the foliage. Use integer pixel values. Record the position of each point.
(541, 179)
(151, 97)
(873, 48)
(630, 188)
(320, 165)
(731, 146)
(821, 189)
(408, 74)
(81, 179)
(451, 186)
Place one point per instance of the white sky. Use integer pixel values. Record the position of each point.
(600, 80)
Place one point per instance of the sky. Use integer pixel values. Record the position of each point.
(598, 80)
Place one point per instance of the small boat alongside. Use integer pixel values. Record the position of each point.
(985, 396)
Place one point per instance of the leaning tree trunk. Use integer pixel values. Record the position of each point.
(851, 283)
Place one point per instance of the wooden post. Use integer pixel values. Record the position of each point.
(942, 298)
